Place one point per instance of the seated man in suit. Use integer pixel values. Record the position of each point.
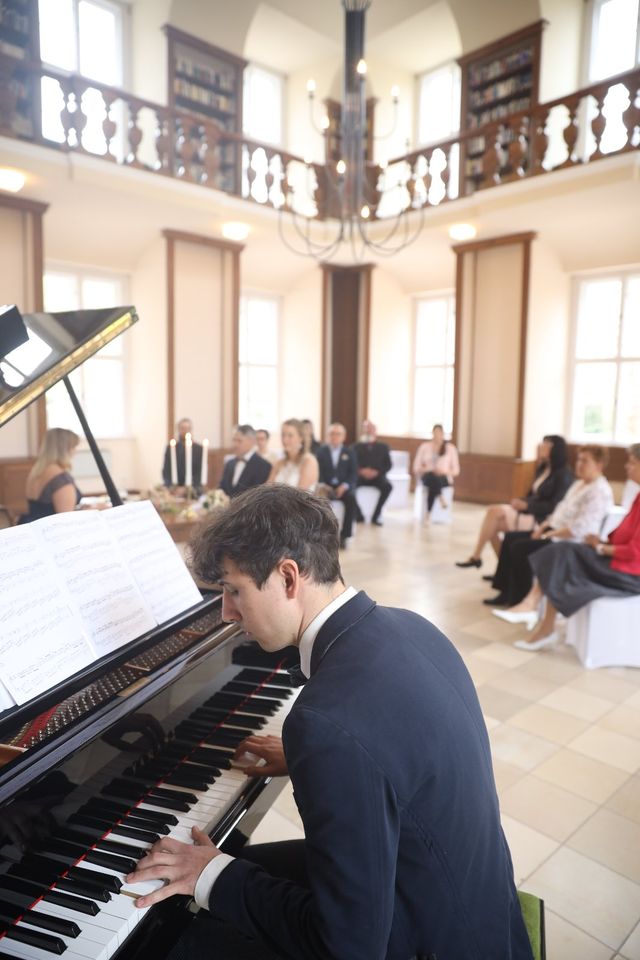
(247, 468)
(339, 475)
(183, 427)
(374, 462)
(403, 855)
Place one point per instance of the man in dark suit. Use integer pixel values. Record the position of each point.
(247, 468)
(339, 475)
(404, 856)
(374, 462)
(184, 427)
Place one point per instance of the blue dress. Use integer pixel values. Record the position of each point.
(43, 506)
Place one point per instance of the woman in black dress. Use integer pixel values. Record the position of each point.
(50, 487)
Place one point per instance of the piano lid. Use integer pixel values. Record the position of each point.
(57, 344)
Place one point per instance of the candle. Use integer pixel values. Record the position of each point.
(204, 470)
(188, 445)
(174, 462)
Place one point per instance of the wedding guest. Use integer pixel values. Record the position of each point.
(580, 512)
(50, 487)
(247, 468)
(552, 480)
(339, 476)
(374, 462)
(297, 467)
(313, 445)
(435, 465)
(183, 427)
(570, 575)
(262, 441)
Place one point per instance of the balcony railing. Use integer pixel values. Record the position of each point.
(75, 114)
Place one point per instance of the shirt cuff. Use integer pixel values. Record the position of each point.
(208, 877)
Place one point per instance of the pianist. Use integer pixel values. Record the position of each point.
(389, 758)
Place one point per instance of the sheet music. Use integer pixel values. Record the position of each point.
(90, 563)
(153, 558)
(42, 641)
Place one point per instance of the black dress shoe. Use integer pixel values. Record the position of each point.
(498, 601)
(376, 521)
(469, 563)
(360, 519)
(343, 543)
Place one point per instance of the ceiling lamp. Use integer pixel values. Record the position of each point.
(11, 180)
(235, 231)
(462, 231)
(349, 192)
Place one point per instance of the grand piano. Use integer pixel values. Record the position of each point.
(136, 746)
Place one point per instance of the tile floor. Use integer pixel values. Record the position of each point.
(566, 741)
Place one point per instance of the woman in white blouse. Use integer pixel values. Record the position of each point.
(580, 513)
(297, 468)
(435, 465)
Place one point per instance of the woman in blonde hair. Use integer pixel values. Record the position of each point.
(297, 468)
(50, 486)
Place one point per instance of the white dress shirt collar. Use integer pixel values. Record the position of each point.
(311, 632)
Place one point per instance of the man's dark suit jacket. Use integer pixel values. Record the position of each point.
(391, 769)
(256, 471)
(196, 465)
(346, 470)
(375, 455)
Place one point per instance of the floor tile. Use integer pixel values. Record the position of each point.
(624, 720)
(626, 801)
(529, 848)
(630, 949)
(508, 656)
(506, 774)
(519, 747)
(615, 749)
(577, 703)
(549, 665)
(564, 941)
(545, 807)
(499, 703)
(602, 683)
(579, 774)
(611, 840)
(602, 903)
(482, 671)
(523, 684)
(551, 724)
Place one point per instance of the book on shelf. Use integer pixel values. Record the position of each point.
(77, 586)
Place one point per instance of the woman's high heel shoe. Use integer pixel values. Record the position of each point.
(471, 562)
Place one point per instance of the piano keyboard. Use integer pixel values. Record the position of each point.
(68, 896)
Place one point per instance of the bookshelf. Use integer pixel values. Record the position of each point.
(19, 40)
(208, 82)
(333, 137)
(498, 81)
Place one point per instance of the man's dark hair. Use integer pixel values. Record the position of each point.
(245, 429)
(267, 524)
(262, 430)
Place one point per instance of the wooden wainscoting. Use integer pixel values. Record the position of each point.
(13, 480)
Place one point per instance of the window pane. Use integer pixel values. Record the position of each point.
(261, 333)
(52, 105)
(60, 413)
(262, 108)
(451, 332)
(628, 414)
(598, 319)
(100, 47)
(439, 104)
(98, 292)
(57, 34)
(429, 399)
(613, 49)
(104, 396)
(60, 292)
(593, 401)
(258, 400)
(431, 332)
(631, 319)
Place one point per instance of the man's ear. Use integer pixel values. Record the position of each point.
(290, 574)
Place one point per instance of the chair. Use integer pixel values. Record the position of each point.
(6, 518)
(605, 632)
(367, 498)
(533, 915)
(439, 514)
(400, 479)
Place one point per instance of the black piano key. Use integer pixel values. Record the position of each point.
(135, 827)
(111, 845)
(43, 941)
(253, 705)
(67, 849)
(147, 836)
(259, 676)
(105, 808)
(236, 719)
(188, 782)
(84, 888)
(207, 755)
(25, 888)
(178, 795)
(223, 736)
(241, 686)
(110, 860)
(67, 928)
(67, 900)
(112, 884)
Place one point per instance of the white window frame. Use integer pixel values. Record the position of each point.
(80, 273)
(250, 70)
(122, 11)
(450, 296)
(592, 15)
(255, 294)
(450, 66)
(621, 274)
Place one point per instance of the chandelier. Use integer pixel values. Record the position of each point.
(349, 192)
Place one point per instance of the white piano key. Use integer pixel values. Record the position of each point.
(98, 944)
(85, 921)
(13, 948)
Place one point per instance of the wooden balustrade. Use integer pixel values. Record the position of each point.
(598, 121)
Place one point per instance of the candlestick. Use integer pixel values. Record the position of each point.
(188, 449)
(174, 462)
(204, 470)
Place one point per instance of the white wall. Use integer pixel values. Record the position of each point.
(547, 344)
(301, 348)
(562, 41)
(390, 350)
